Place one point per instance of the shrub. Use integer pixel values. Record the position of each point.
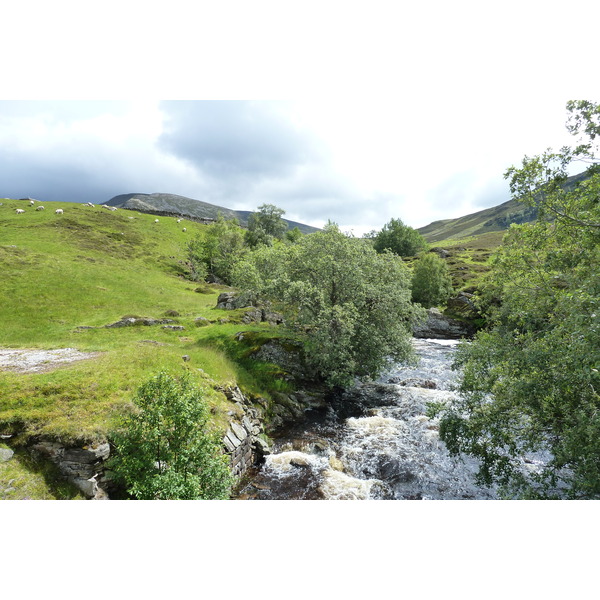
(164, 450)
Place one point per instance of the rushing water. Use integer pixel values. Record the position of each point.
(389, 451)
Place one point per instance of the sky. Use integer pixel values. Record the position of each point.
(353, 112)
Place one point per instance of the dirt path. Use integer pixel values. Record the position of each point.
(38, 361)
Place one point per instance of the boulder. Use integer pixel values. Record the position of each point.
(5, 454)
(233, 300)
(439, 326)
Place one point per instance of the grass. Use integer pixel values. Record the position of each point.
(67, 276)
(25, 478)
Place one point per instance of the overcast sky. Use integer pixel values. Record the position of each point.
(387, 111)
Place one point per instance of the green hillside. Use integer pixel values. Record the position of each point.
(65, 277)
(496, 218)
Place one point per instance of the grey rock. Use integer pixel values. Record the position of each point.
(6, 454)
(438, 325)
(238, 430)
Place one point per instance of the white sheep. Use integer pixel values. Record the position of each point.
(156, 220)
(58, 211)
(31, 202)
(184, 230)
(19, 211)
(40, 208)
(179, 220)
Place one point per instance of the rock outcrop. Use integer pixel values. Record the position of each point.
(439, 326)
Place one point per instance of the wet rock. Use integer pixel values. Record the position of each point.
(438, 325)
(394, 471)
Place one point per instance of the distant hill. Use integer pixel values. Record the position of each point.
(488, 220)
(171, 204)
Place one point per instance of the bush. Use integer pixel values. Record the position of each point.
(431, 281)
(164, 450)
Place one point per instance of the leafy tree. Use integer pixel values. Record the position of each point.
(531, 383)
(431, 281)
(164, 450)
(217, 251)
(293, 235)
(265, 225)
(353, 304)
(399, 239)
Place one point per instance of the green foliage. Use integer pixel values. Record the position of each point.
(531, 383)
(352, 304)
(265, 225)
(216, 252)
(399, 239)
(293, 235)
(164, 450)
(431, 281)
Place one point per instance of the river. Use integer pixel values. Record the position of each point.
(375, 444)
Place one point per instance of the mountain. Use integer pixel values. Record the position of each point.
(173, 205)
(497, 218)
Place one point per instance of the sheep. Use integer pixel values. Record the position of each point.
(184, 230)
(58, 211)
(31, 202)
(88, 204)
(19, 211)
(112, 208)
(179, 220)
(40, 208)
(156, 220)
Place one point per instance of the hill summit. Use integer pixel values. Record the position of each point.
(174, 205)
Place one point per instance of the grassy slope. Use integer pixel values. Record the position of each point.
(90, 267)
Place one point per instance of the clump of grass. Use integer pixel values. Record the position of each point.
(25, 478)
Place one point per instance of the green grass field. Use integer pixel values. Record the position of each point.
(64, 277)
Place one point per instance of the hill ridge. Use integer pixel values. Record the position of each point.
(176, 205)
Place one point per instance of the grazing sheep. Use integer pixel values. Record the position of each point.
(40, 208)
(179, 220)
(184, 230)
(88, 204)
(156, 220)
(19, 211)
(31, 202)
(58, 211)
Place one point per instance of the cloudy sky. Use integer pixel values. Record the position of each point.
(354, 112)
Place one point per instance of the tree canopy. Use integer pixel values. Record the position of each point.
(531, 381)
(431, 281)
(352, 304)
(399, 238)
(266, 225)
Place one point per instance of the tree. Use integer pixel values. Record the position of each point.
(431, 281)
(164, 450)
(216, 252)
(352, 304)
(265, 225)
(531, 382)
(399, 239)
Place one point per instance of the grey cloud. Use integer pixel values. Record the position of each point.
(239, 140)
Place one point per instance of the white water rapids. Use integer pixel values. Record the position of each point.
(391, 451)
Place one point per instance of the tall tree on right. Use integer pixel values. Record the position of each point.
(529, 407)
